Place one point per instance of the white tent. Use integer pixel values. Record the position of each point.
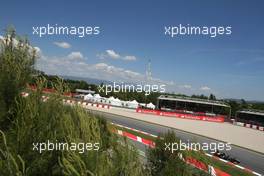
(117, 99)
(116, 102)
(97, 98)
(110, 99)
(88, 97)
(132, 104)
(150, 105)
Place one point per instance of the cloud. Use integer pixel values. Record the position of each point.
(38, 51)
(101, 65)
(62, 44)
(121, 74)
(205, 88)
(75, 56)
(186, 86)
(16, 42)
(130, 58)
(248, 62)
(74, 64)
(114, 55)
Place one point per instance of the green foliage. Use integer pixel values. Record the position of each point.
(126, 158)
(38, 121)
(259, 106)
(212, 97)
(200, 96)
(31, 120)
(16, 65)
(13, 164)
(162, 161)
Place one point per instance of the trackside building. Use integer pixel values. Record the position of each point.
(250, 118)
(194, 106)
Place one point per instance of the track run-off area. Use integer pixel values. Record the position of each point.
(247, 144)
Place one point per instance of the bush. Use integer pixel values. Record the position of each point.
(25, 121)
(16, 65)
(162, 161)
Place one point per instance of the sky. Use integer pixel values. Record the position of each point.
(133, 32)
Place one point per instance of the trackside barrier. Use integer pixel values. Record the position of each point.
(136, 138)
(24, 94)
(43, 97)
(192, 161)
(217, 118)
(84, 104)
(247, 125)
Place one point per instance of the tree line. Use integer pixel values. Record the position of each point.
(141, 97)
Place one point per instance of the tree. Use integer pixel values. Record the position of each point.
(17, 60)
(243, 104)
(162, 161)
(212, 97)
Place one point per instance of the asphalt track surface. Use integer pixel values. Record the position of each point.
(249, 159)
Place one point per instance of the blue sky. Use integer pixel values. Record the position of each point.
(131, 32)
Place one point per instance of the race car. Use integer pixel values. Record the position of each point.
(224, 156)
